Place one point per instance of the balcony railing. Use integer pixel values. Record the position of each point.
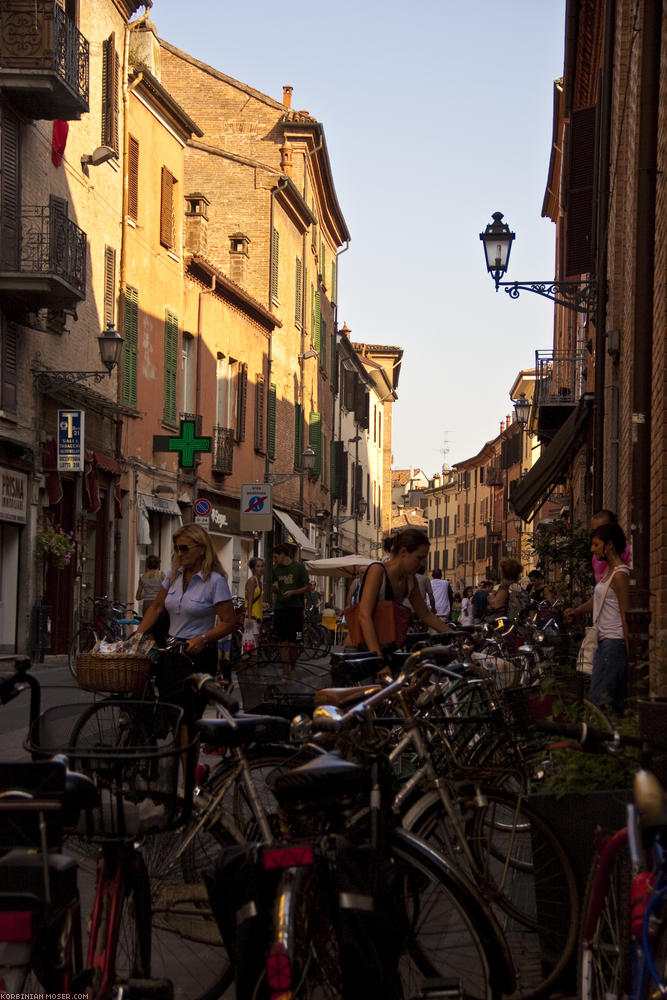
(223, 450)
(43, 260)
(560, 377)
(43, 59)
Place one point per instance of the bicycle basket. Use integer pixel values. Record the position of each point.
(263, 677)
(115, 673)
(133, 753)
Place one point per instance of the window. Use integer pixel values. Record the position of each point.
(109, 285)
(168, 181)
(259, 412)
(241, 402)
(170, 366)
(130, 348)
(298, 435)
(9, 367)
(271, 436)
(298, 297)
(323, 344)
(133, 180)
(110, 81)
(275, 259)
(10, 190)
(332, 291)
(231, 396)
(317, 318)
(188, 373)
(315, 440)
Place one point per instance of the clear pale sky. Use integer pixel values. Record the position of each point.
(436, 114)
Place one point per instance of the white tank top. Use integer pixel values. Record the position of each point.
(608, 617)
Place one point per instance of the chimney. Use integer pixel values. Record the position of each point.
(286, 158)
(195, 235)
(238, 257)
(287, 96)
(145, 48)
(502, 426)
(345, 330)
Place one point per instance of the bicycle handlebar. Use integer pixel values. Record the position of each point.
(214, 691)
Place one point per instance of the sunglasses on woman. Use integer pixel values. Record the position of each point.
(184, 548)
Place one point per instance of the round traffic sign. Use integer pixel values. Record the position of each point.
(202, 507)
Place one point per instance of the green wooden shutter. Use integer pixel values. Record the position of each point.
(333, 295)
(317, 322)
(298, 435)
(130, 348)
(241, 403)
(315, 440)
(312, 313)
(271, 443)
(323, 344)
(170, 366)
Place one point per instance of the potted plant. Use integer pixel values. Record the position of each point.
(56, 546)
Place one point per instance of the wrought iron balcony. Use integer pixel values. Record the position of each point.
(43, 60)
(223, 450)
(560, 382)
(43, 259)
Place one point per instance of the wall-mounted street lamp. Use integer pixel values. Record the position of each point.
(308, 457)
(111, 347)
(497, 239)
(521, 409)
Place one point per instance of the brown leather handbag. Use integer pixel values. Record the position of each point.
(390, 619)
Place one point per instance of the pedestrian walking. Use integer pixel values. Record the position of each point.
(254, 597)
(442, 594)
(290, 585)
(149, 583)
(466, 607)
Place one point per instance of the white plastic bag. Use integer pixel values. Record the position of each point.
(249, 642)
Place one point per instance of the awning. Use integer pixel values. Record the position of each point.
(297, 536)
(159, 505)
(536, 486)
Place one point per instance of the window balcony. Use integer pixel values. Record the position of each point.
(559, 385)
(43, 60)
(223, 450)
(43, 260)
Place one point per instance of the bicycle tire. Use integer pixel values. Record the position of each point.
(604, 946)
(531, 889)
(83, 641)
(651, 990)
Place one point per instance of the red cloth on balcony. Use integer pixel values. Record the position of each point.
(54, 488)
(60, 130)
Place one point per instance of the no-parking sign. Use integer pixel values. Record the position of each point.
(256, 507)
(203, 507)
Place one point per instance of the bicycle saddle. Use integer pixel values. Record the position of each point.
(244, 729)
(341, 696)
(651, 800)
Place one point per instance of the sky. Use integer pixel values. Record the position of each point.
(436, 114)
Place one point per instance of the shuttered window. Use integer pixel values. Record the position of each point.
(9, 368)
(317, 318)
(298, 297)
(275, 262)
(167, 209)
(130, 347)
(323, 344)
(298, 435)
(170, 366)
(9, 190)
(333, 295)
(339, 472)
(334, 362)
(315, 441)
(312, 314)
(271, 441)
(133, 179)
(578, 244)
(322, 262)
(241, 402)
(109, 285)
(259, 412)
(110, 82)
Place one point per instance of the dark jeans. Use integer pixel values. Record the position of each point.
(287, 622)
(608, 678)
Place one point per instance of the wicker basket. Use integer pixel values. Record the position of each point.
(117, 674)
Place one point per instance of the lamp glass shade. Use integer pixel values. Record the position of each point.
(362, 506)
(111, 346)
(522, 409)
(308, 459)
(497, 239)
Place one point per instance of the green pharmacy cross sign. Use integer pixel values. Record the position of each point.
(187, 444)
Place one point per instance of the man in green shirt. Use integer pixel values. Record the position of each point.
(290, 583)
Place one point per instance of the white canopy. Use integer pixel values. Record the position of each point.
(346, 566)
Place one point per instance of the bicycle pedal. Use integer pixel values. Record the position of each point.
(145, 989)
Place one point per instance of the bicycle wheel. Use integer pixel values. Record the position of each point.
(653, 990)
(520, 869)
(83, 641)
(604, 946)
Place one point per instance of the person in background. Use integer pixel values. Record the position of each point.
(290, 584)
(254, 596)
(456, 607)
(535, 587)
(480, 600)
(599, 565)
(355, 587)
(150, 583)
(442, 594)
(506, 598)
(466, 607)
(425, 589)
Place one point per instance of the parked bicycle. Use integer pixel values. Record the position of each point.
(101, 620)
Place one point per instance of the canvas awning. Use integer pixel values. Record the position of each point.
(538, 483)
(297, 535)
(344, 566)
(159, 504)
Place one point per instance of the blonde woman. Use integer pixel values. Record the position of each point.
(196, 596)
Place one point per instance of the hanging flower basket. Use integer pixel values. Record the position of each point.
(56, 545)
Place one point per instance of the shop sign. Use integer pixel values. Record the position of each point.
(13, 496)
(70, 440)
(219, 518)
(256, 507)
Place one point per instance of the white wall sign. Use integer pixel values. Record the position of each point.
(13, 496)
(256, 507)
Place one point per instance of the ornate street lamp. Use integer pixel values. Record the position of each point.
(497, 239)
(521, 409)
(111, 346)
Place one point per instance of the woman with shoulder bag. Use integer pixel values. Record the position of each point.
(194, 593)
(395, 580)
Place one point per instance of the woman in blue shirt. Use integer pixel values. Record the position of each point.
(194, 594)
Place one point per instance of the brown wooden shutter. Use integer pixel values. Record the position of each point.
(241, 400)
(578, 248)
(109, 285)
(8, 393)
(10, 191)
(167, 209)
(110, 83)
(133, 179)
(259, 412)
